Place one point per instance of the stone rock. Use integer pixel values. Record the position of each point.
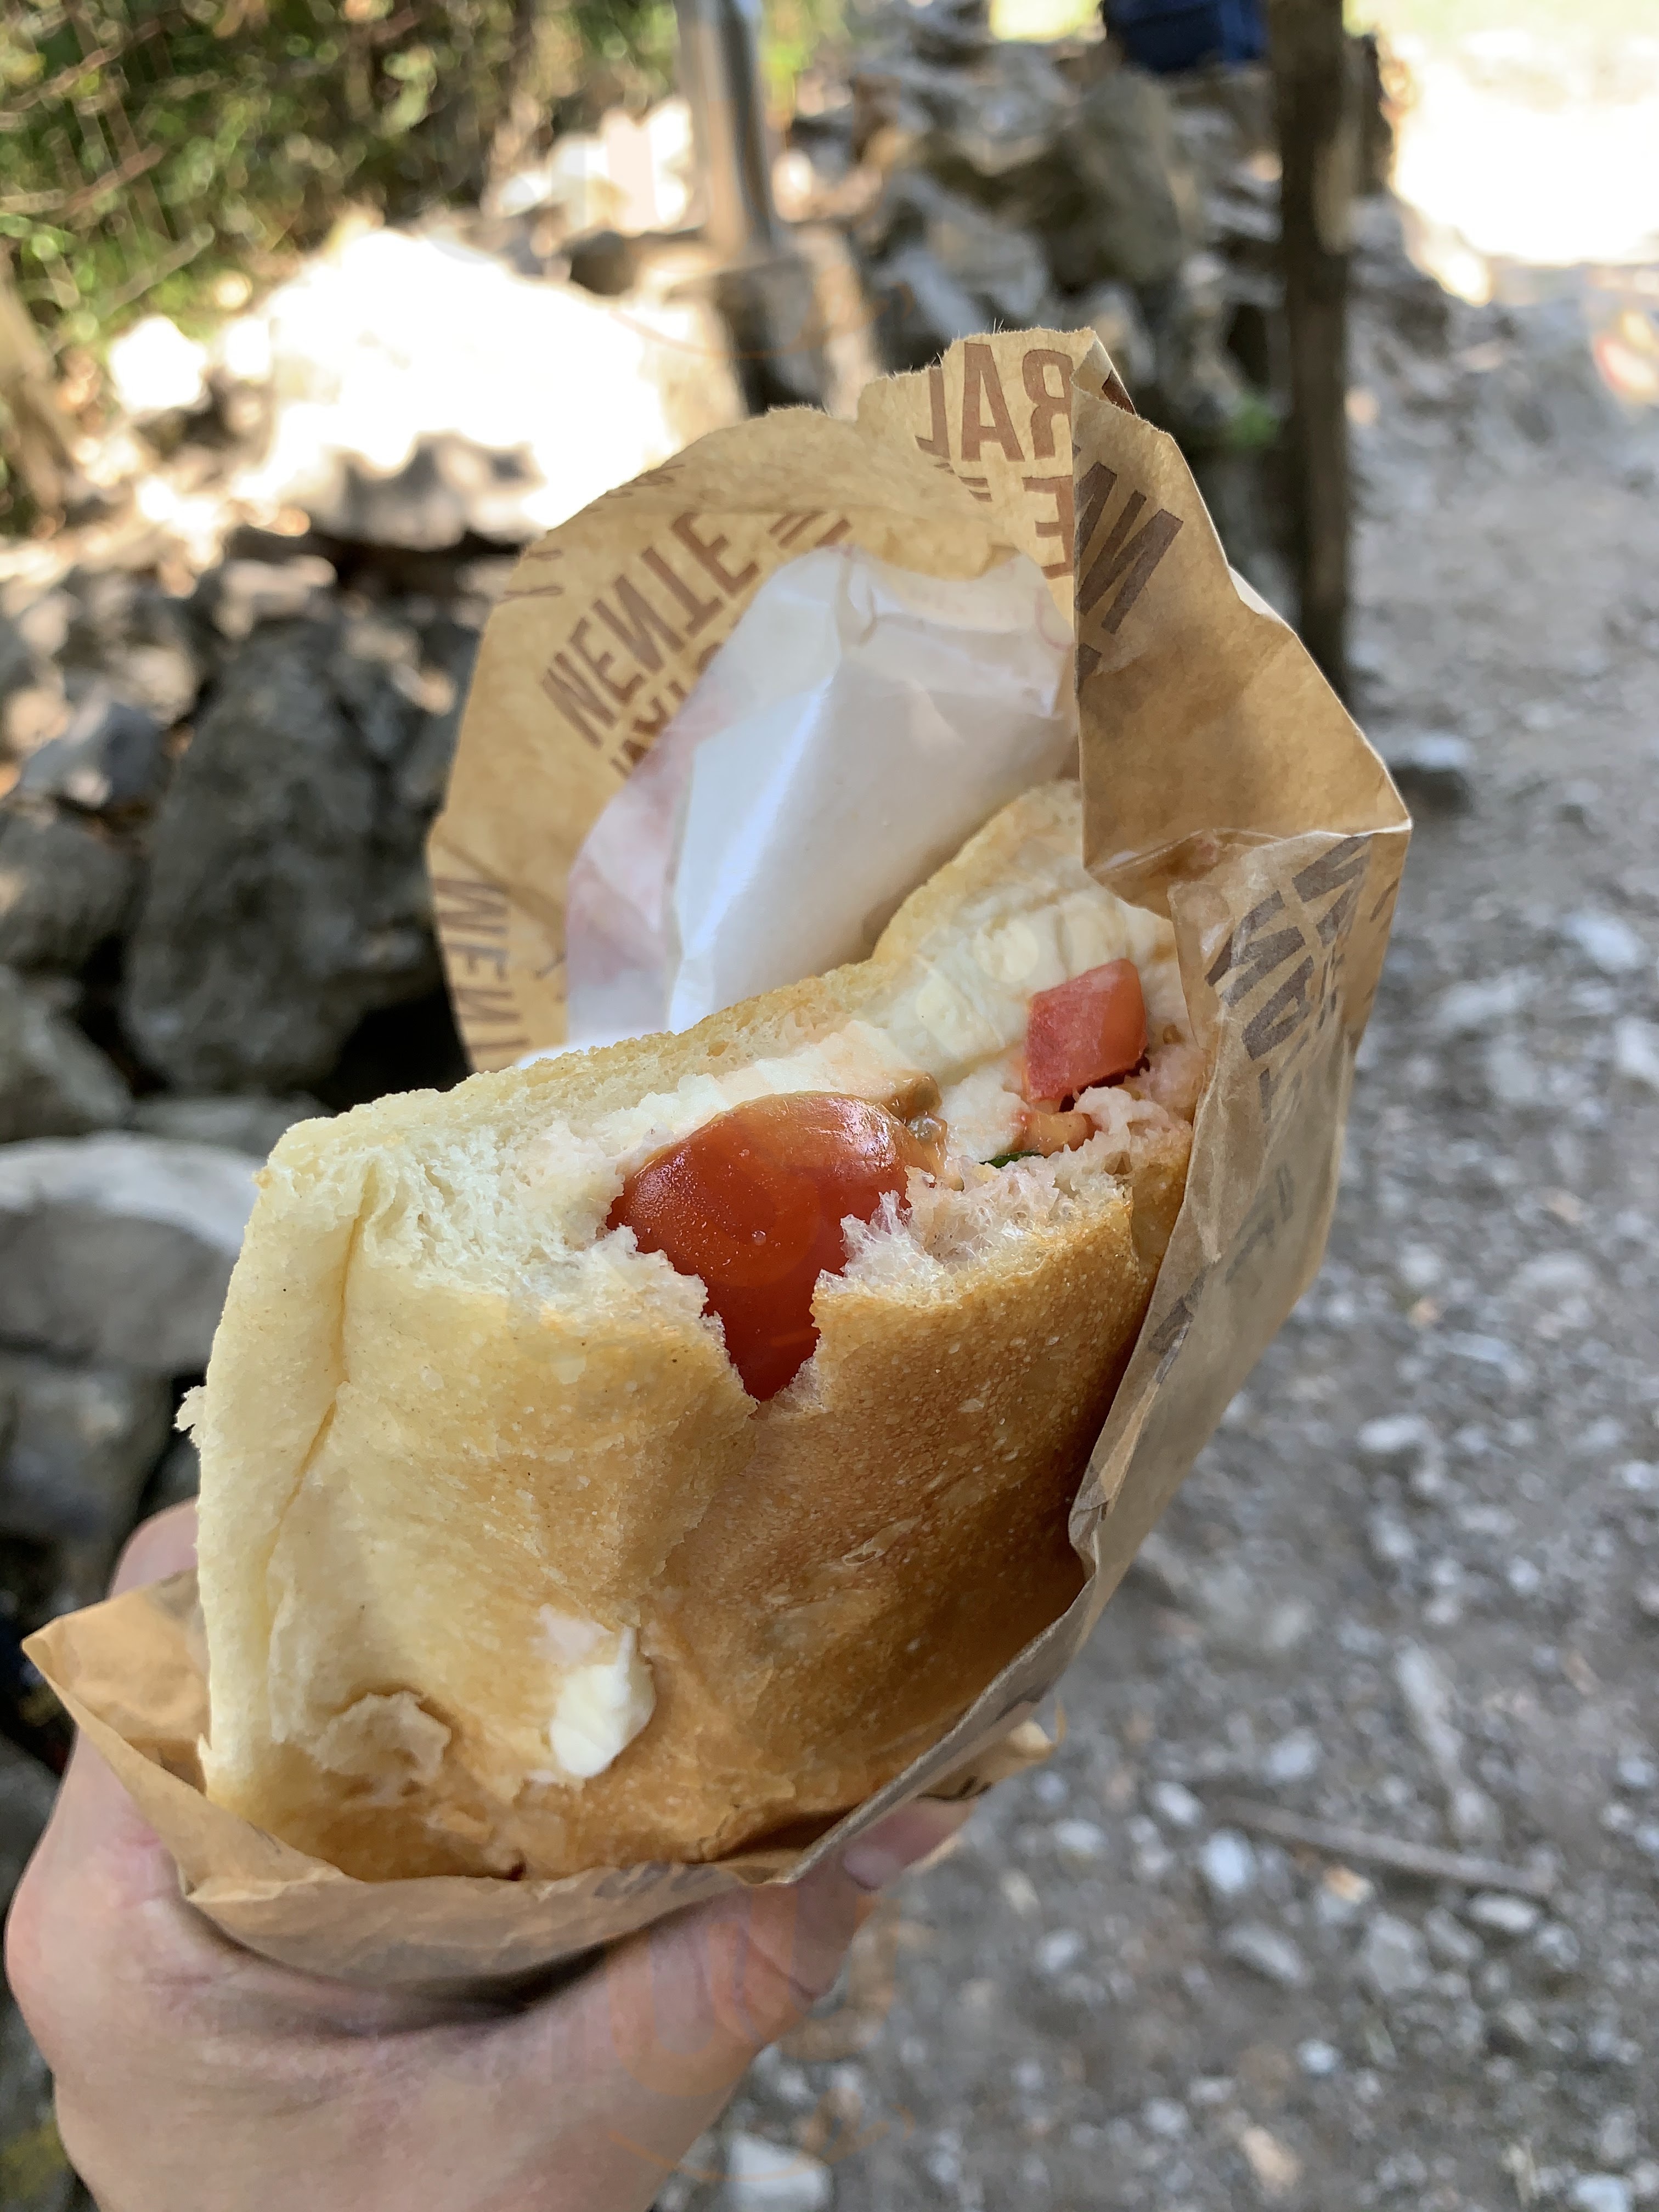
(1513, 1074)
(1082, 1840)
(1248, 1619)
(1635, 1047)
(126, 637)
(247, 1123)
(946, 270)
(1393, 1960)
(1467, 1009)
(1059, 1950)
(288, 897)
(1295, 1758)
(1607, 943)
(1318, 2059)
(54, 1082)
(27, 1791)
(109, 755)
(64, 888)
(1514, 2027)
(1114, 315)
(1137, 210)
(1557, 1950)
(118, 1249)
(1619, 2138)
(239, 595)
(1600, 2192)
(1390, 1542)
(1268, 1952)
(1449, 1942)
(1496, 1913)
(1426, 1693)
(1152, 1858)
(1398, 1440)
(1176, 1806)
(1228, 1865)
(81, 1442)
(1433, 769)
(769, 2176)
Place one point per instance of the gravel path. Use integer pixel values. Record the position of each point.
(1413, 1586)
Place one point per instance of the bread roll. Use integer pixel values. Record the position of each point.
(504, 1572)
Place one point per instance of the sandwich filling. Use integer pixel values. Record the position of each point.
(1018, 1049)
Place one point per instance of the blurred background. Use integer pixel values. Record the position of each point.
(1340, 1888)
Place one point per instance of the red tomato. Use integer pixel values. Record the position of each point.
(1085, 1032)
(753, 1202)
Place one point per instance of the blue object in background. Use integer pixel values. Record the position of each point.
(1168, 35)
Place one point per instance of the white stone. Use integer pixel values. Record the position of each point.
(1394, 1959)
(769, 2176)
(1079, 1839)
(1500, 1914)
(1635, 1051)
(1059, 1949)
(1318, 2059)
(1176, 1806)
(1391, 1543)
(1163, 2116)
(1395, 1438)
(119, 1247)
(1605, 942)
(1420, 1267)
(1469, 1008)
(1229, 1866)
(1294, 1757)
(1600, 2192)
(1268, 1952)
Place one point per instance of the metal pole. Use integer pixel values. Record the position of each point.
(763, 288)
(719, 76)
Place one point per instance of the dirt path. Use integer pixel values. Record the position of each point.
(1445, 1633)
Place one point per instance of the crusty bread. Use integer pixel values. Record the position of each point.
(445, 1408)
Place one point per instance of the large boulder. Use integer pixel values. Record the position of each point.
(244, 1122)
(77, 1445)
(64, 887)
(119, 1248)
(54, 1082)
(288, 897)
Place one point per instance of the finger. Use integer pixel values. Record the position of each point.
(164, 1545)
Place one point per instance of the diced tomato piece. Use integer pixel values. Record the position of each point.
(753, 1202)
(1085, 1032)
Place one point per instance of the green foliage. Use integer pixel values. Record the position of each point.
(147, 145)
(150, 147)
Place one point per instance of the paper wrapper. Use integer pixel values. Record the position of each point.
(1224, 784)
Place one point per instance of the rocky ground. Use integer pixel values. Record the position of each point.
(1412, 1589)
(1413, 1586)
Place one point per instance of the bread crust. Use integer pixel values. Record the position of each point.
(407, 1459)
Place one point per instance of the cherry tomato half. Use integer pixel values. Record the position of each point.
(1085, 1032)
(753, 1202)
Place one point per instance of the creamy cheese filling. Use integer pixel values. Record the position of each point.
(602, 1694)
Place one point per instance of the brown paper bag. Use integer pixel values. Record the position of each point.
(1224, 784)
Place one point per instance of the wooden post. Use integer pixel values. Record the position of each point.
(1318, 146)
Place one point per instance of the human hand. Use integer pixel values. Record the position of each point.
(193, 2076)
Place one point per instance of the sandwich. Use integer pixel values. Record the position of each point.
(647, 1452)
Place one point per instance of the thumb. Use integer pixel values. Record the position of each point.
(671, 2018)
